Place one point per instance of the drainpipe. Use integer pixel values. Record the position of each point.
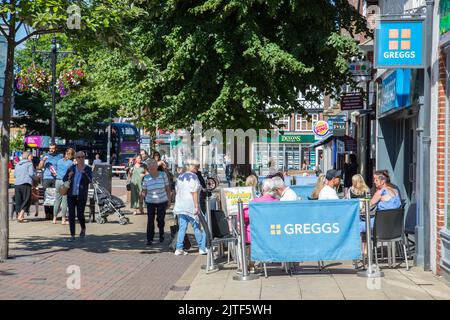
(423, 227)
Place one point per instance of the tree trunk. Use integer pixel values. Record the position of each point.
(4, 155)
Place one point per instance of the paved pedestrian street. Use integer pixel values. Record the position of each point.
(337, 282)
(113, 260)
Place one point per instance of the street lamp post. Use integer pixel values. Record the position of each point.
(53, 66)
(53, 59)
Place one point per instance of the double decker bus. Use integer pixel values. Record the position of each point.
(125, 142)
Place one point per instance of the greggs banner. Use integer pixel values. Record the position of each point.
(303, 191)
(317, 230)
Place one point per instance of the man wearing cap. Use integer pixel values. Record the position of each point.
(333, 180)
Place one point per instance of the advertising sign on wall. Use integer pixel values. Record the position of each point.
(395, 90)
(400, 44)
(321, 129)
(352, 101)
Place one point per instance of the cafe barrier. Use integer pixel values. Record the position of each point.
(303, 191)
(305, 230)
(305, 180)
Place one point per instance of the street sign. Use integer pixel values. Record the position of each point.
(360, 68)
(352, 101)
(400, 43)
(339, 129)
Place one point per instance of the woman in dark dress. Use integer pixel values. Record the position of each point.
(80, 176)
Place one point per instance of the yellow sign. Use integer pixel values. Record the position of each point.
(231, 196)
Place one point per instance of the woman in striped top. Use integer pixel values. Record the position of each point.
(157, 193)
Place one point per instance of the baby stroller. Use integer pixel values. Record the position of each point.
(108, 204)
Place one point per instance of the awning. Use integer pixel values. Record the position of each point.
(321, 142)
(350, 142)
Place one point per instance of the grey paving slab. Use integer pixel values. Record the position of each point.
(356, 288)
(282, 288)
(319, 287)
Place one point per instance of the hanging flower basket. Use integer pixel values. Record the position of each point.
(69, 80)
(32, 80)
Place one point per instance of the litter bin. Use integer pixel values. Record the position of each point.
(103, 175)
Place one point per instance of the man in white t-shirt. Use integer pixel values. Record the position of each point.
(283, 191)
(333, 180)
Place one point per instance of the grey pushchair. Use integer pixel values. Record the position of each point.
(108, 204)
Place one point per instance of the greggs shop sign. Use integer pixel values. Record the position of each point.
(400, 44)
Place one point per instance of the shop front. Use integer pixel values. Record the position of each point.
(397, 116)
(290, 153)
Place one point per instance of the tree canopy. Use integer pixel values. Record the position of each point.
(233, 63)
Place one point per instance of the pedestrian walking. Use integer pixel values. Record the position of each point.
(333, 180)
(135, 176)
(187, 207)
(61, 200)
(97, 160)
(23, 174)
(79, 176)
(48, 163)
(157, 193)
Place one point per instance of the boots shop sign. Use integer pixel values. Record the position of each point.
(400, 43)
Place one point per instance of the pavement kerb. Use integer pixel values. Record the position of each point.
(186, 279)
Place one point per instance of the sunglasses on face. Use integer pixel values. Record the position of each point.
(80, 157)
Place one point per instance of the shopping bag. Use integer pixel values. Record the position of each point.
(174, 236)
(49, 197)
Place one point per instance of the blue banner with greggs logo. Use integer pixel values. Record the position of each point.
(305, 230)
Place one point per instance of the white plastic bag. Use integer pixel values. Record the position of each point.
(49, 197)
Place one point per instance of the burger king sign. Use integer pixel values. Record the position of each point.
(321, 128)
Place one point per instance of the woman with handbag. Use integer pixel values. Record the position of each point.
(135, 176)
(61, 200)
(77, 180)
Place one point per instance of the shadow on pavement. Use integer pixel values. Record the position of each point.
(133, 241)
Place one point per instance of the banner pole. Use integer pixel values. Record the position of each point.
(244, 276)
(370, 272)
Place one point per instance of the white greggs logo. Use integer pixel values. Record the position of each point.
(399, 39)
(305, 228)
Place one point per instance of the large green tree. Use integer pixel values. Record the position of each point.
(223, 62)
(90, 20)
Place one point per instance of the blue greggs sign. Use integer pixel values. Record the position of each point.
(395, 90)
(305, 230)
(400, 44)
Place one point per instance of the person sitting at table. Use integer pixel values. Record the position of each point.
(252, 181)
(359, 188)
(268, 194)
(283, 191)
(319, 186)
(385, 198)
(333, 180)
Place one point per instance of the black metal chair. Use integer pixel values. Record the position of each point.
(220, 232)
(389, 227)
